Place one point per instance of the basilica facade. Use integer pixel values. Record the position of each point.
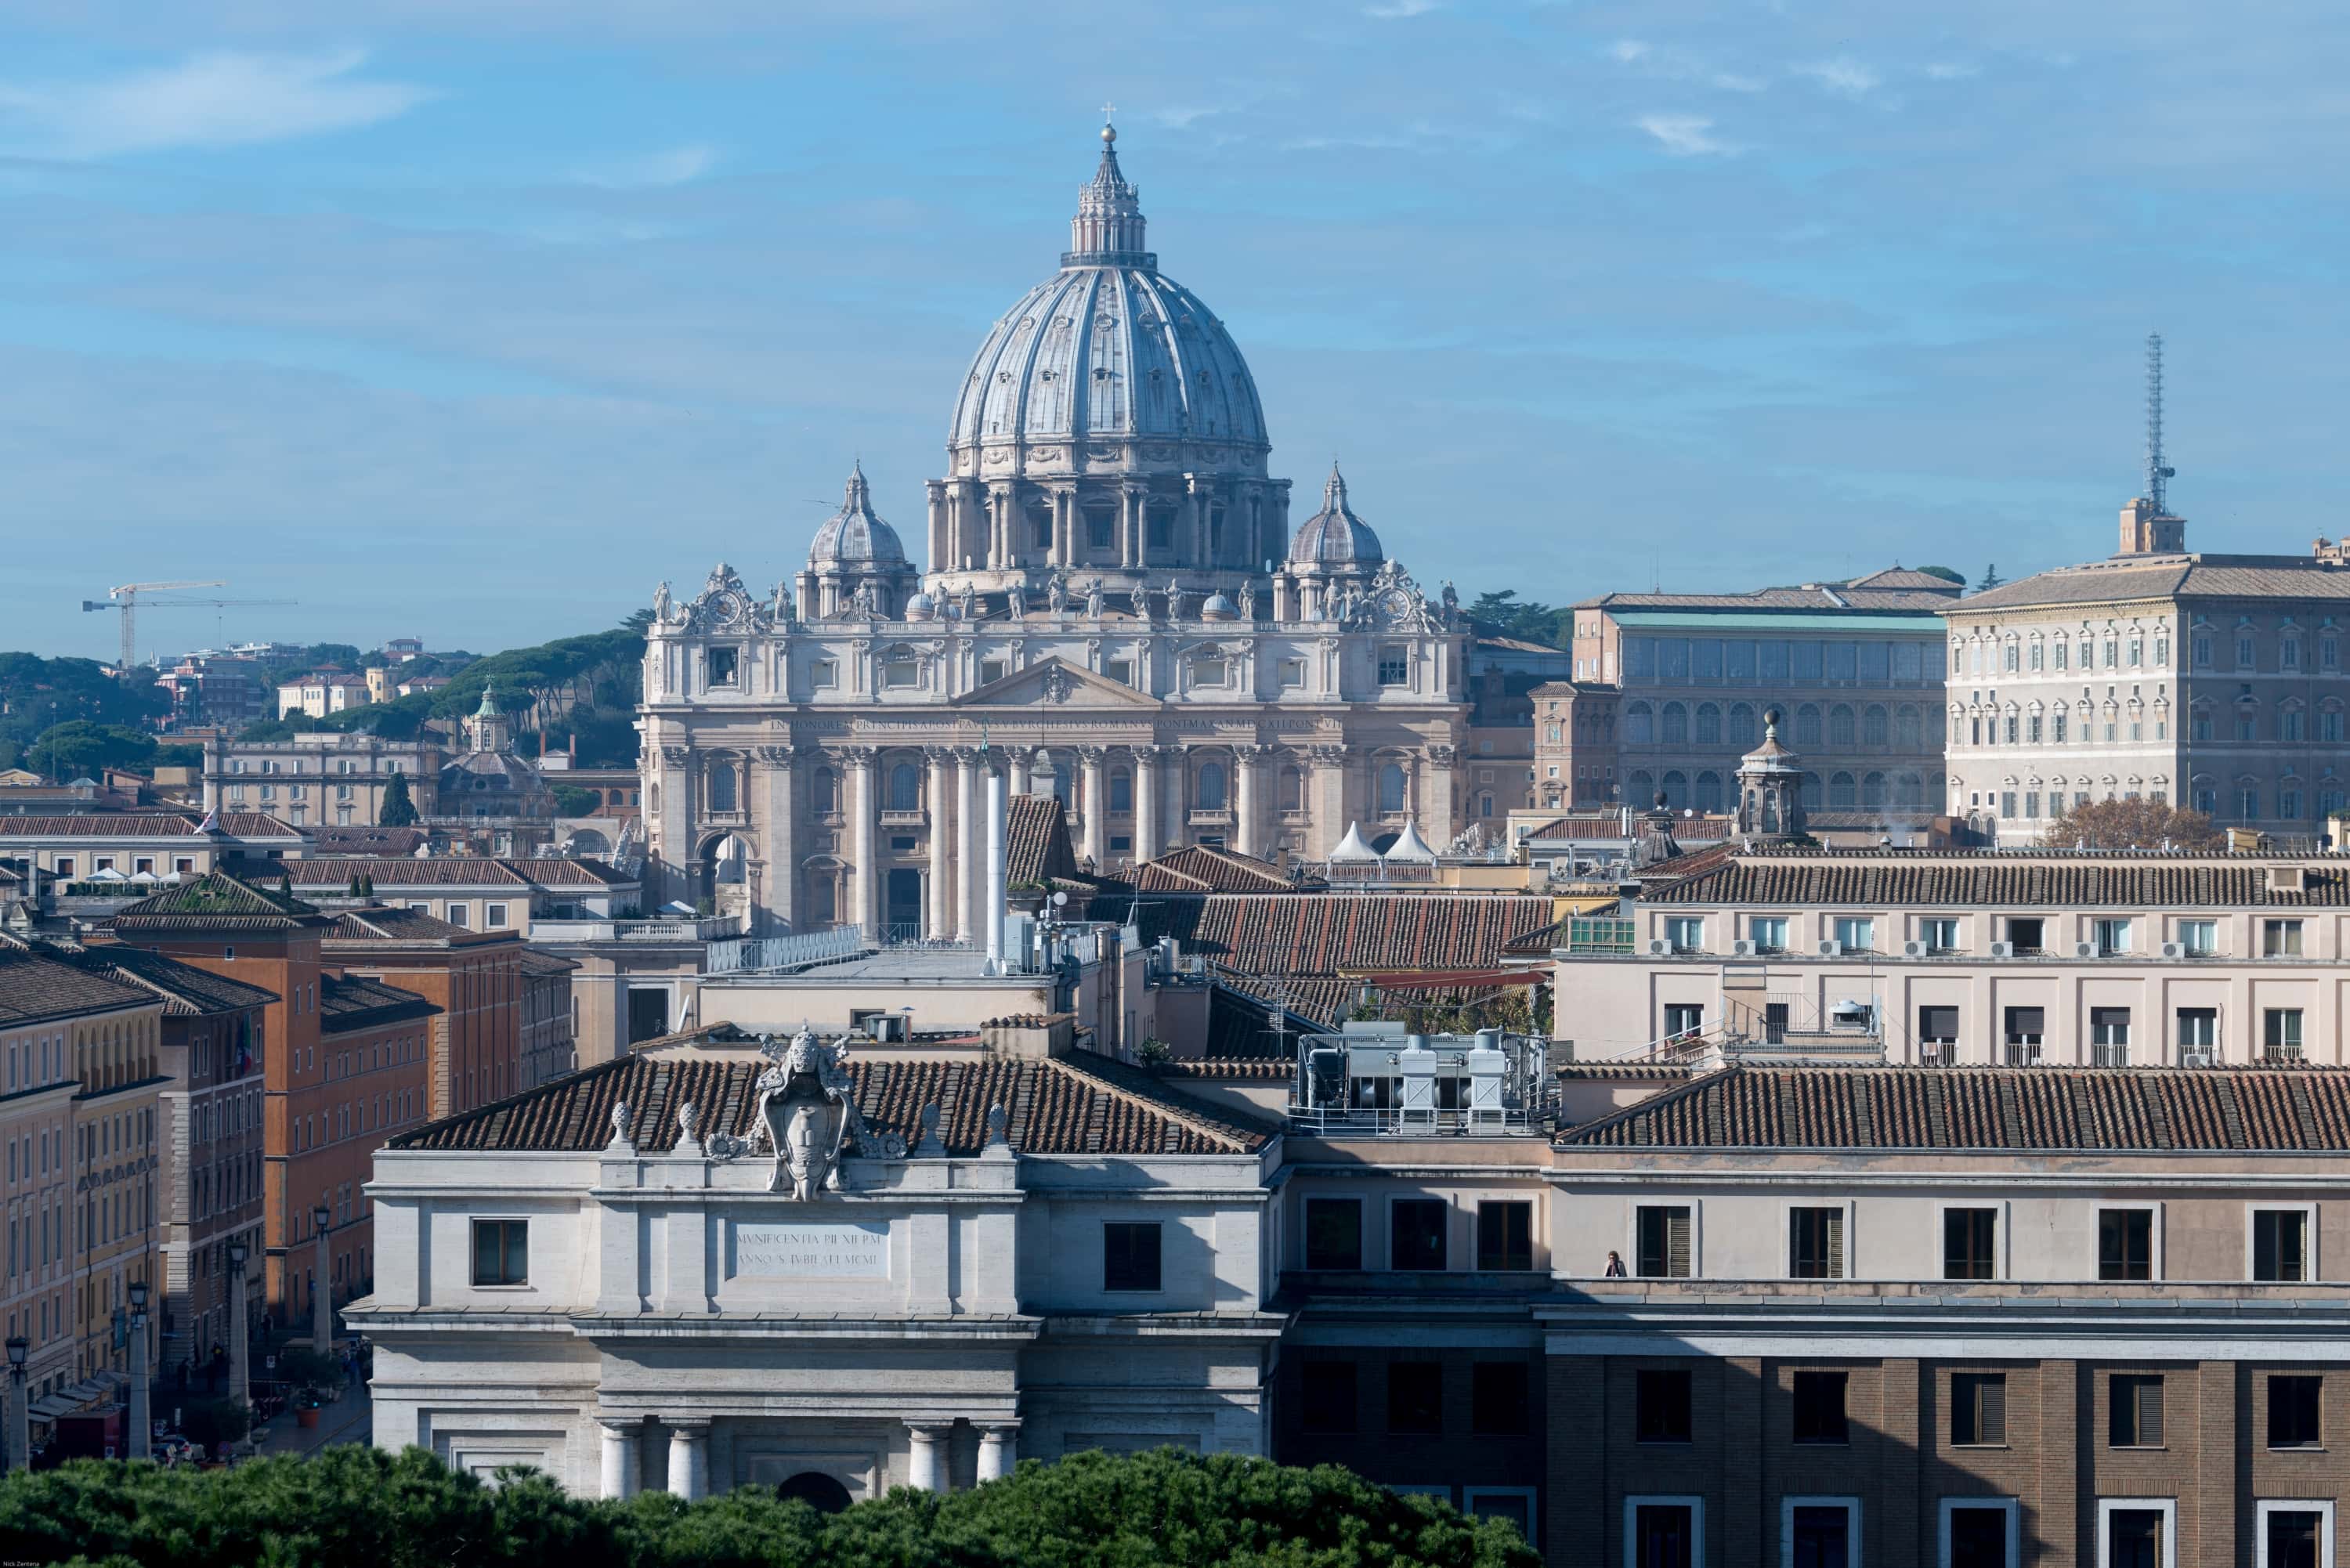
(1117, 611)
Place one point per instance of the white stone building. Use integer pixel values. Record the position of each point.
(1116, 608)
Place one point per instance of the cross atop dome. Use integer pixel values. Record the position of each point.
(1109, 228)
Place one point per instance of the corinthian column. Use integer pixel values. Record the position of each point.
(1148, 819)
(973, 881)
(940, 926)
(1246, 760)
(779, 836)
(865, 899)
(1097, 806)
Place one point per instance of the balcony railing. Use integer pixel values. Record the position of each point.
(708, 929)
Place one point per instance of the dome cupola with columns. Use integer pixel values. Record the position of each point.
(855, 554)
(1107, 427)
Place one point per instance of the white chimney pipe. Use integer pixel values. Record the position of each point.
(994, 870)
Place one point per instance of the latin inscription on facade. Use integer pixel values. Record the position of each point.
(812, 1251)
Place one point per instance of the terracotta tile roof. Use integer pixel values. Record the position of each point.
(1324, 933)
(1202, 868)
(394, 841)
(537, 962)
(2061, 880)
(553, 871)
(1037, 841)
(2134, 577)
(145, 825)
(1861, 593)
(2251, 1109)
(1625, 1070)
(216, 901)
(1909, 577)
(1077, 1104)
(385, 924)
(405, 871)
(1232, 1069)
(187, 992)
(35, 986)
(350, 1002)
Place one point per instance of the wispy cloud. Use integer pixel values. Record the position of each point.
(1686, 135)
(1389, 10)
(1843, 75)
(675, 166)
(1672, 65)
(1951, 70)
(1628, 50)
(208, 100)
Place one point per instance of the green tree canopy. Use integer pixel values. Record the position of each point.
(570, 800)
(356, 1504)
(2140, 824)
(1503, 613)
(397, 810)
(79, 747)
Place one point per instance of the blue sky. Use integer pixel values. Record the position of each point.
(474, 320)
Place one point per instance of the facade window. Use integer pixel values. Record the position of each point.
(901, 674)
(1210, 792)
(501, 1251)
(2111, 937)
(2291, 1537)
(1685, 933)
(2057, 730)
(1661, 1403)
(2109, 1036)
(2289, 654)
(1979, 1409)
(1395, 665)
(2248, 802)
(1662, 1250)
(1327, 1401)
(2126, 1244)
(1940, 934)
(1416, 1234)
(1819, 1407)
(1855, 933)
(1815, 1243)
(823, 674)
(1937, 1027)
(1969, 1238)
(2244, 659)
(1768, 932)
(2199, 1033)
(2293, 1405)
(724, 663)
(2281, 1033)
(1505, 1237)
(1129, 1257)
(1208, 671)
(1498, 1401)
(1665, 1533)
(2199, 939)
(1334, 1233)
(2280, 938)
(2063, 654)
(2134, 1413)
(2281, 1245)
(1416, 1397)
(1391, 789)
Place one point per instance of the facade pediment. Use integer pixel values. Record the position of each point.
(1055, 682)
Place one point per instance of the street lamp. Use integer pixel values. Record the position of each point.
(20, 1407)
(141, 1444)
(240, 1375)
(322, 1291)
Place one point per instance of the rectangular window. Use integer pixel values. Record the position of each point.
(1661, 1407)
(1937, 1026)
(1664, 1534)
(2126, 1244)
(2199, 939)
(1941, 936)
(1819, 1413)
(2281, 1033)
(1416, 1397)
(1979, 1409)
(1857, 934)
(2244, 652)
(1968, 1237)
(501, 1251)
(2134, 1413)
(1978, 1534)
(2280, 938)
(2281, 1245)
(1815, 1243)
(1130, 1257)
(2199, 1031)
(724, 662)
(2026, 1030)
(1768, 932)
(1416, 1234)
(1334, 1233)
(2293, 1410)
(1326, 1401)
(1662, 1252)
(1506, 1236)
(2025, 933)
(2111, 937)
(1395, 665)
(458, 914)
(2109, 1033)
(2295, 1537)
(1208, 673)
(1293, 674)
(1499, 1405)
(495, 916)
(2134, 1538)
(1686, 933)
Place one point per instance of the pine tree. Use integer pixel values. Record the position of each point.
(398, 810)
(1991, 579)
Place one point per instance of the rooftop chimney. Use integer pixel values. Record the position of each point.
(2146, 530)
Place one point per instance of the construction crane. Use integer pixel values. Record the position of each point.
(126, 599)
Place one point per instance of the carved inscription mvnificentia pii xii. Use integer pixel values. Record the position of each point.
(813, 1252)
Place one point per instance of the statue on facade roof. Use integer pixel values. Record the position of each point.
(1056, 593)
(807, 1117)
(1016, 603)
(1248, 601)
(662, 602)
(1094, 599)
(1141, 602)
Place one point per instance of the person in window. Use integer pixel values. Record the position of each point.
(1615, 1267)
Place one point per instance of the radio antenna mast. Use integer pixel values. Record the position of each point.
(2158, 474)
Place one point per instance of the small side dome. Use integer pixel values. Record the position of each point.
(1219, 608)
(854, 536)
(921, 607)
(1335, 536)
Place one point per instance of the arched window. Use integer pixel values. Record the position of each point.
(1640, 788)
(1709, 791)
(905, 787)
(824, 792)
(1675, 788)
(1675, 724)
(1391, 788)
(1209, 790)
(1708, 724)
(1484, 805)
(822, 897)
(1840, 727)
(1121, 791)
(1640, 725)
(1905, 728)
(1742, 733)
(1873, 732)
(1290, 794)
(722, 786)
(1842, 791)
(1807, 726)
(1872, 790)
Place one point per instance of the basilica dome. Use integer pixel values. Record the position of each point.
(1335, 536)
(1108, 350)
(854, 536)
